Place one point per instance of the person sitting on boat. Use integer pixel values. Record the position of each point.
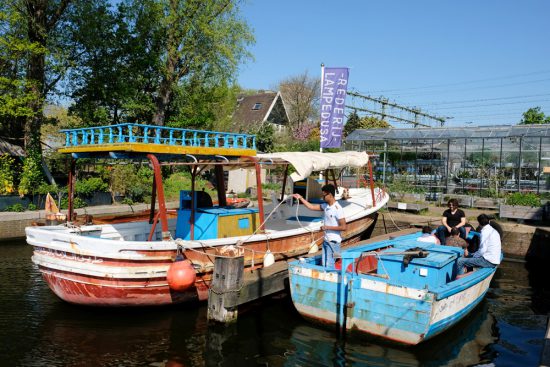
(489, 253)
(452, 218)
(427, 236)
(334, 222)
(455, 240)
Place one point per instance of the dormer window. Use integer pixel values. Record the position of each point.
(257, 106)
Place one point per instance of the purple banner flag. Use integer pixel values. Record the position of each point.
(334, 86)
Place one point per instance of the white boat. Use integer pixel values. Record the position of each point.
(124, 261)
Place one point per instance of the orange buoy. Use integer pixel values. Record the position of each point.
(181, 275)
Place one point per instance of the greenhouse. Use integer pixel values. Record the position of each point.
(486, 161)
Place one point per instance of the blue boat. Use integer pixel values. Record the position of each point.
(398, 289)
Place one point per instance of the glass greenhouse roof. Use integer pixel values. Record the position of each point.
(495, 131)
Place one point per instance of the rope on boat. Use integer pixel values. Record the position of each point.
(391, 217)
(239, 243)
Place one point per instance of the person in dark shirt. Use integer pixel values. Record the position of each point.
(455, 240)
(452, 218)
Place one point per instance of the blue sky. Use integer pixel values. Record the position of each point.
(482, 62)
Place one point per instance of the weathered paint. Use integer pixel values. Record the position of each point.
(376, 306)
(84, 269)
(158, 149)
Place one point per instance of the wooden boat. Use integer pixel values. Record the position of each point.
(125, 262)
(401, 290)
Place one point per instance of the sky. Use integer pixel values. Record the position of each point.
(477, 62)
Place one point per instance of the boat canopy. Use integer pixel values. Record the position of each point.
(307, 162)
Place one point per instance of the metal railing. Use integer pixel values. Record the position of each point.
(152, 134)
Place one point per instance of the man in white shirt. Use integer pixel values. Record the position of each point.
(334, 222)
(489, 253)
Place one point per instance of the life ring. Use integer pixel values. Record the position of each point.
(238, 202)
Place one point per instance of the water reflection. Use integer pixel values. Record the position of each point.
(465, 344)
(38, 329)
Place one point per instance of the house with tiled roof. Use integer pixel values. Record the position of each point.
(266, 106)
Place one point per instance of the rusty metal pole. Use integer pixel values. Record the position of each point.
(259, 191)
(72, 181)
(284, 183)
(220, 185)
(371, 182)
(160, 193)
(153, 199)
(193, 203)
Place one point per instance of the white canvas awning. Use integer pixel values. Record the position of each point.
(307, 162)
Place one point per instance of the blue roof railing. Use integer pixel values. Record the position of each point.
(153, 134)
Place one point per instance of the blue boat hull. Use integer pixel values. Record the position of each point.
(378, 306)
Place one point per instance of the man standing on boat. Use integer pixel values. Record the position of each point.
(489, 253)
(334, 222)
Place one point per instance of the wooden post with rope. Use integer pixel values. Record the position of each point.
(223, 295)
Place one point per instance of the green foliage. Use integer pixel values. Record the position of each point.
(203, 105)
(524, 199)
(402, 186)
(128, 201)
(7, 174)
(15, 208)
(31, 177)
(77, 203)
(135, 183)
(90, 185)
(264, 138)
(483, 159)
(355, 122)
(31, 206)
(271, 186)
(243, 195)
(45, 188)
(534, 115)
(164, 61)
(182, 181)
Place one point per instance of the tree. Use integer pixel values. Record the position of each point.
(353, 123)
(203, 39)
(301, 96)
(264, 138)
(118, 69)
(32, 61)
(534, 115)
(371, 122)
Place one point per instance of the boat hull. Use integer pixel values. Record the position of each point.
(383, 309)
(80, 271)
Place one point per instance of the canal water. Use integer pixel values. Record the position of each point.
(38, 329)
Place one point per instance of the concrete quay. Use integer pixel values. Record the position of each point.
(12, 224)
(520, 240)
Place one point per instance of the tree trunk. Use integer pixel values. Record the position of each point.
(162, 101)
(37, 34)
(165, 89)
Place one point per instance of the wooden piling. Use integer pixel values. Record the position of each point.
(223, 295)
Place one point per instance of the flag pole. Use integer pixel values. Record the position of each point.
(321, 95)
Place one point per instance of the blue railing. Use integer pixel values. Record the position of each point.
(153, 134)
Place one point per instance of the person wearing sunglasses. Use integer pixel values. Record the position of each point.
(452, 218)
(334, 222)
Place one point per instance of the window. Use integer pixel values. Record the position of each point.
(257, 106)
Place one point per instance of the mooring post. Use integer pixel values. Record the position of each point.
(223, 295)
